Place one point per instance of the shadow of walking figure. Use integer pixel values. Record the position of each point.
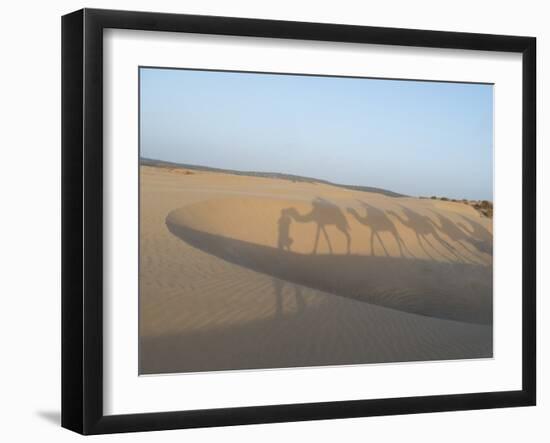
(423, 226)
(284, 240)
(299, 301)
(323, 213)
(379, 222)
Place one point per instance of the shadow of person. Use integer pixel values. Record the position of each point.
(284, 241)
(423, 227)
(461, 292)
(323, 214)
(280, 307)
(379, 222)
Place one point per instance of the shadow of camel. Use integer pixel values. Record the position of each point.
(458, 235)
(456, 291)
(379, 222)
(481, 238)
(323, 213)
(424, 227)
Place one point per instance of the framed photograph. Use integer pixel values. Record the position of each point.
(268, 221)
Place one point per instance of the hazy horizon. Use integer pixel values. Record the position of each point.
(411, 137)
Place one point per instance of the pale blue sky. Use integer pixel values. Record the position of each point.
(416, 138)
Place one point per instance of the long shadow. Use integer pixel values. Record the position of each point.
(284, 242)
(323, 214)
(456, 234)
(481, 238)
(379, 222)
(461, 292)
(424, 227)
(271, 343)
(279, 288)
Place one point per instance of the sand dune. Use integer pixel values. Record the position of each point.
(242, 272)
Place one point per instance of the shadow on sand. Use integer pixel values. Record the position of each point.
(454, 291)
(306, 340)
(379, 222)
(323, 214)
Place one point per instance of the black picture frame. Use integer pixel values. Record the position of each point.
(82, 219)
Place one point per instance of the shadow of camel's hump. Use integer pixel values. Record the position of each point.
(461, 292)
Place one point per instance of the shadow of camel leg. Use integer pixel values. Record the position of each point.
(348, 240)
(418, 238)
(479, 257)
(316, 239)
(471, 250)
(445, 256)
(382, 244)
(328, 239)
(405, 247)
(372, 243)
(448, 248)
(462, 256)
(398, 245)
(431, 246)
(402, 246)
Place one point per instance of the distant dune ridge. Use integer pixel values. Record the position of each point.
(276, 175)
(246, 271)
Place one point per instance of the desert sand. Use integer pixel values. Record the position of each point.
(242, 272)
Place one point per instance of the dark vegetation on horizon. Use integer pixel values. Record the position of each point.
(484, 207)
(278, 175)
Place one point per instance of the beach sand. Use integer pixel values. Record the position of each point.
(242, 272)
